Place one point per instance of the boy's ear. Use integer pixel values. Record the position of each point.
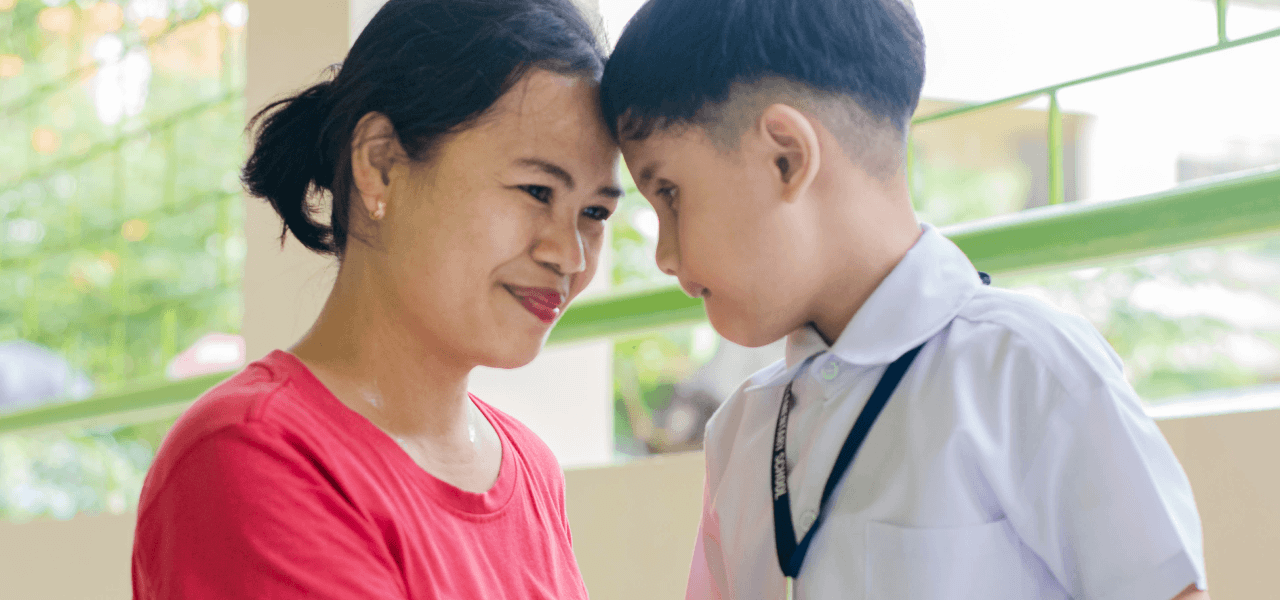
(375, 150)
(791, 142)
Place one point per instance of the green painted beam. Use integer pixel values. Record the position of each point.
(627, 312)
(141, 403)
(1222, 21)
(1214, 211)
(1057, 189)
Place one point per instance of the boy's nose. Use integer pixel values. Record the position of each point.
(667, 257)
(667, 254)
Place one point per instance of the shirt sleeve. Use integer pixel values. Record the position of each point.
(244, 514)
(1101, 497)
(707, 579)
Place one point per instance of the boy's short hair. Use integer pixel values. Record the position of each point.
(857, 64)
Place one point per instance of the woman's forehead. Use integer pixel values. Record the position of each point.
(546, 100)
(548, 114)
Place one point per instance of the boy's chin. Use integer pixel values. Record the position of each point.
(744, 330)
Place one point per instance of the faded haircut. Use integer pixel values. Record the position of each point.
(855, 65)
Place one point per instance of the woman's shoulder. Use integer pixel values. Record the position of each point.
(255, 394)
(259, 404)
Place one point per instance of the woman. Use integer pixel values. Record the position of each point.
(469, 178)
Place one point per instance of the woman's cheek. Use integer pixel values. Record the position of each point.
(580, 280)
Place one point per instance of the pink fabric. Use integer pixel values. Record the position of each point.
(269, 487)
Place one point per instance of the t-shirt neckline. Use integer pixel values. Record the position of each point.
(361, 429)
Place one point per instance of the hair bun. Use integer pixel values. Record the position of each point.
(288, 162)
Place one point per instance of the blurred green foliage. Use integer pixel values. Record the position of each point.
(1184, 323)
(120, 234)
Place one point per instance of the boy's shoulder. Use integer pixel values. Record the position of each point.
(997, 330)
(1020, 331)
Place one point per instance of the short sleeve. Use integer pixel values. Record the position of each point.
(243, 514)
(1103, 501)
(706, 574)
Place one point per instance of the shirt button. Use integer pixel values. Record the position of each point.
(807, 519)
(830, 370)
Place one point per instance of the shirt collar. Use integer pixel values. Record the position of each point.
(921, 295)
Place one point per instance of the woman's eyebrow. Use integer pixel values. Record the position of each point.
(551, 169)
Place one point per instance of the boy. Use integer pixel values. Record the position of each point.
(926, 437)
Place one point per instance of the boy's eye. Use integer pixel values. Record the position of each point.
(671, 195)
(599, 213)
(541, 193)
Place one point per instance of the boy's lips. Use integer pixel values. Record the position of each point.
(544, 303)
(694, 290)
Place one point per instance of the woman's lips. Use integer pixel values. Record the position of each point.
(544, 303)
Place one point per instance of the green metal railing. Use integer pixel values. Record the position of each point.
(1056, 182)
(1210, 211)
(1214, 211)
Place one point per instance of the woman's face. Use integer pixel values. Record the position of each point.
(484, 243)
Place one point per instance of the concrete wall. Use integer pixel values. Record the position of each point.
(288, 46)
(1233, 461)
(633, 524)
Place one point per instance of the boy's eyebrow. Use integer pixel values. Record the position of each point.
(551, 169)
(648, 172)
(610, 191)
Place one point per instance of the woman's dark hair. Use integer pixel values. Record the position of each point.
(431, 67)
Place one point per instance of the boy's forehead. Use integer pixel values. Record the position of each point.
(646, 157)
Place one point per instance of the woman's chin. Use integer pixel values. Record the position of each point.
(515, 353)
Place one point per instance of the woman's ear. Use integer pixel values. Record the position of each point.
(791, 143)
(375, 149)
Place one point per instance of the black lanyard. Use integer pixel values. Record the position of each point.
(790, 554)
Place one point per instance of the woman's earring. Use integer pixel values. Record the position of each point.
(380, 211)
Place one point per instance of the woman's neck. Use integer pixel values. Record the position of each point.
(374, 363)
(413, 390)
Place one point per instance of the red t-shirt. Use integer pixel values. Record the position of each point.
(269, 487)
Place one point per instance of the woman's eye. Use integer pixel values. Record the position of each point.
(541, 193)
(598, 213)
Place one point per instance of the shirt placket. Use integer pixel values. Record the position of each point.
(822, 394)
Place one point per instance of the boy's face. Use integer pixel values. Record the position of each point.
(726, 232)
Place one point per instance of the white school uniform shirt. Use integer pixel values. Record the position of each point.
(1014, 461)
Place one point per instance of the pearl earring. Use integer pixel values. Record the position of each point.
(380, 211)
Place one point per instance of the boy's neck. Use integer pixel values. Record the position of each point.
(867, 225)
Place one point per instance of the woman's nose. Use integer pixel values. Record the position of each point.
(560, 246)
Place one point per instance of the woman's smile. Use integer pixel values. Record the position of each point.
(544, 303)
